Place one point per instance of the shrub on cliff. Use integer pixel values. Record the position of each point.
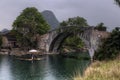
(28, 25)
(110, 47)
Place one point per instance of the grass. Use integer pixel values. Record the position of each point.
(106, 70)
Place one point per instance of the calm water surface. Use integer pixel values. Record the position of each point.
(51, 68)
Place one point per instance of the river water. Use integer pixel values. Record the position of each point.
(50, 68)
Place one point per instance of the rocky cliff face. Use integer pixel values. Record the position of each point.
(50, 18)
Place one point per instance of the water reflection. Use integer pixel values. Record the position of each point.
(25, 70)
(51, 68)
(5, 69)
(65, 68)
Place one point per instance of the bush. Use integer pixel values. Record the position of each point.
(110, 47)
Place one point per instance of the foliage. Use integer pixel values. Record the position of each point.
(117, 2)
(28, 25)
(74, 42)
(101, 27)
(74, 25)
(110, 47)
(76, 21)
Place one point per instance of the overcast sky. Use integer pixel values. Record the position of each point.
(94, 11)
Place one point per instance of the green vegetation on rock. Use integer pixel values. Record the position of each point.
(28, 25)
(111, 46)
(73, 41)
(75, 21)
(101, 27)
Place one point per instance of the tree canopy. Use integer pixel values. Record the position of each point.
(32, 21)
(110, 47)
(28, 25)
(74, 41)
(101, 27)
(75, 21)
(117, 2)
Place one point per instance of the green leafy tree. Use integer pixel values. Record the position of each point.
(76, 21)
(111, 46)
(101, 27)
(28, 25)
(74, 24)
(117, 2)
(74, 42)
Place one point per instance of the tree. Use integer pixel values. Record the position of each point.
(110, 47)
(74, 41)
(117, 2)
(101, 27)
(74, 24)
(76, 21)
(28, 25)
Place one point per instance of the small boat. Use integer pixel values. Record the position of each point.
(33, 55)
(29, 59)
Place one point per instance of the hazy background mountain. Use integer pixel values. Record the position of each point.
(50, 18)
(4, 31)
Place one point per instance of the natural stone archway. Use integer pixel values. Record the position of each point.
(57, 42)
(85, 35)
(52, 41)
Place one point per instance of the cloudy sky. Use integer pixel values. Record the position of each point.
(94, 11)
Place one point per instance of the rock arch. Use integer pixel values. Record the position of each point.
(53, 40)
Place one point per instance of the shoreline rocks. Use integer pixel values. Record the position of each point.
(18, 52)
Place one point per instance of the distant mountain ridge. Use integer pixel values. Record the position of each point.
(4, 31)
(50, 18)
(47, 15)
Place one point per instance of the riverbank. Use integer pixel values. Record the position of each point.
(105, 70)
(18, 52)
(52, 67)
(23, 54)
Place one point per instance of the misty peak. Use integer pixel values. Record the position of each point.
(50, 18)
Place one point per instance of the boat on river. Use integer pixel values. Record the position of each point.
(33, 55)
